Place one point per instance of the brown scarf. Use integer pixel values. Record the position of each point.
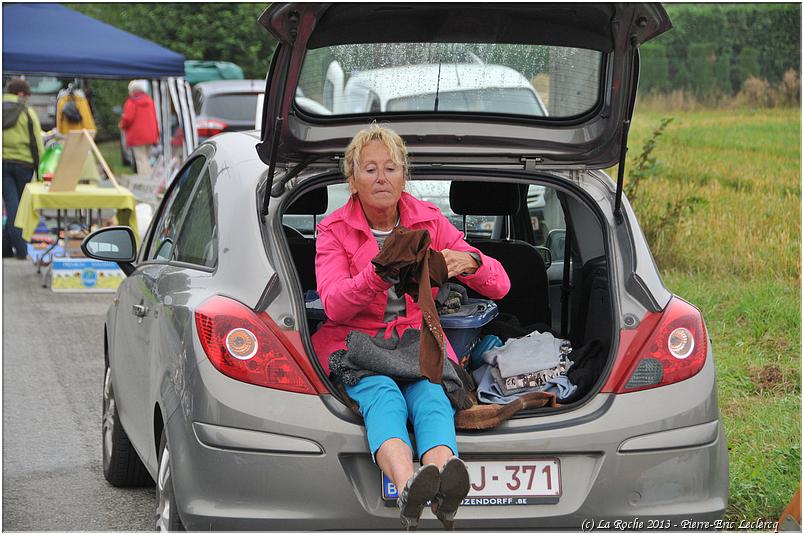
(407, 261)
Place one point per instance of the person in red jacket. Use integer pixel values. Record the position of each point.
(140, 125)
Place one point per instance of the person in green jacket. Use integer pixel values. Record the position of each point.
(22, 147)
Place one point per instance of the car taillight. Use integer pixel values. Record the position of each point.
(668, 348)
(251, 348)
(210, 127)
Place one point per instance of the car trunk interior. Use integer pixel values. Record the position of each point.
(529, 227)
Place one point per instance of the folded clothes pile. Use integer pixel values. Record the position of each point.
(537, 362)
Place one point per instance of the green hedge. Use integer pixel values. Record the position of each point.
(715, 47)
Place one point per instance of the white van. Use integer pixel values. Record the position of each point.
(460, 87)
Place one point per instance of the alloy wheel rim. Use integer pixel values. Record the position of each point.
(163, 488)
(108, 413)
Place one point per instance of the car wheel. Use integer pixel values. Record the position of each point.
(167, 514)
(122, 466)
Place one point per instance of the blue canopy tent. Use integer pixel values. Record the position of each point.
(50, 39)
(55, 40)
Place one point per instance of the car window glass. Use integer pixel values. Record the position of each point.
(196, 243)
(547, 218)
(437, 192)
(521, 79)
(232, 106)
(164, 237)
(434, 191)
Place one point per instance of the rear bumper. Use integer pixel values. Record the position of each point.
(658, 457)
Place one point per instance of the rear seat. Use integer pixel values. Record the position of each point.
(302, 248)
(528, 298)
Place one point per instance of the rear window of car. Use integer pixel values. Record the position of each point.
(231, 106)
(495, 78)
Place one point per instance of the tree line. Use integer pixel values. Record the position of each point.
(711, 50)
(714, 48)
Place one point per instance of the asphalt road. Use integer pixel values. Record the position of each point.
(52, 379)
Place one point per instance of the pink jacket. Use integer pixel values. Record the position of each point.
(355, 297)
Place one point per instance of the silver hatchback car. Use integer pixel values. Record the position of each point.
(243, 437)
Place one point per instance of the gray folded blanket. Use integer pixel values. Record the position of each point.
(398, 359)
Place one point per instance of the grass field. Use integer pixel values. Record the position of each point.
(111, 153)
(737, 256)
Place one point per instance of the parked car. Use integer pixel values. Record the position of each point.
(44, 93)
(225, 105)
(212, 388)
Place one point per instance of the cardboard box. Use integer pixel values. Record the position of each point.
(84, 275)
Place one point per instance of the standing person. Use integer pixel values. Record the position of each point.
(139, 124)
(358, 300)
(22, 147)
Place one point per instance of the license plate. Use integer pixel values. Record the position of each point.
(505, 482)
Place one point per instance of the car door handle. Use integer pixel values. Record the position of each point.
(139, 310)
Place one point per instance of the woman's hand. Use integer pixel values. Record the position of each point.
(459, 262)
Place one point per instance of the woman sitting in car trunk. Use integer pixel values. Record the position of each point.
(356, 298)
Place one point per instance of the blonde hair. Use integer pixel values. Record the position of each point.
(374, 132)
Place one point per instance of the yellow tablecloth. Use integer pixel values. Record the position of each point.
(36, 197)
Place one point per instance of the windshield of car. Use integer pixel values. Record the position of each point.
(231, 106)
(530, 80)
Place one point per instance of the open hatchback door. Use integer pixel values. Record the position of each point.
(544, 85)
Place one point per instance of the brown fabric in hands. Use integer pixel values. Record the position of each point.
(407, 261)
(489, 416)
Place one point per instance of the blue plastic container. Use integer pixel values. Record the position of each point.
(463, 328)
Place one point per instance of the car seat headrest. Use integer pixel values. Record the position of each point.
(313, 202)
(484, 198)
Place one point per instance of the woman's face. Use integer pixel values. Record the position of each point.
(377, 180)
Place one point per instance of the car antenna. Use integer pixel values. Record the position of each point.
(438, 84)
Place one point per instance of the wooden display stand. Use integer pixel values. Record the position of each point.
(76, 148)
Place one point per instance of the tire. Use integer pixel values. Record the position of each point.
(167, 513)
(122, 466)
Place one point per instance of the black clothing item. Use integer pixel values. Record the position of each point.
(587, 365)
(506, 326)
(407, 261)
(70, 111)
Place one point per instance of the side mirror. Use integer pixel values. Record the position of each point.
(112, 244)
(555, 242)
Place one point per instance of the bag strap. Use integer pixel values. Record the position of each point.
(32, 141)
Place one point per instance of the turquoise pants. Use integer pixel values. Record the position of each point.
(387, 405)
